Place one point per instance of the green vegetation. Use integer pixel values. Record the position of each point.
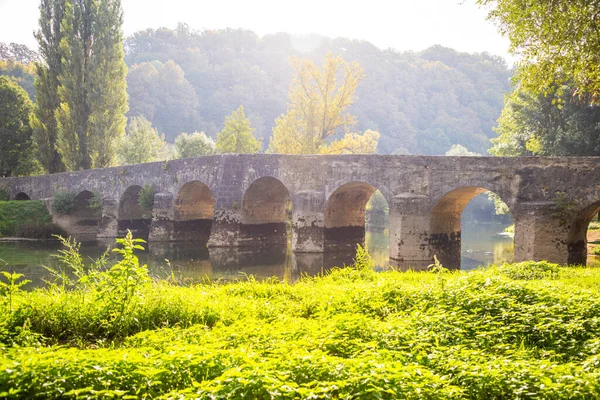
(28, 219)
(146, 198)
(141, 143)
(194, 145)
(237, 135)
(513, 331)
(63, 202)
(16, 147)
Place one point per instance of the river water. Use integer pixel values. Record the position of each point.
(482, 244)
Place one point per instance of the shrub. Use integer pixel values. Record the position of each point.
(146, 198)
(96, 201)
(528, 270)
(29, 219)
(4, 195)
(63, 202)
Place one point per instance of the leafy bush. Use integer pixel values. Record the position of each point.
(96, 201)
(146, 198)
(351, 333)
(528, 270)
(63, 202)
(29, 219)
(4, 194)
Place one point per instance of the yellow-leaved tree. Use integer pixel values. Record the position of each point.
(318, 110)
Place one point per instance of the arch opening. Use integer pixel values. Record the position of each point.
(194, 211)
(466, 231)
(584, 236)
(22, 196)
(131, 216)
(83, 221)
(347, 216)
(266, 213)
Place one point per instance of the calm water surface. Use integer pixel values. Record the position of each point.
(482, 244)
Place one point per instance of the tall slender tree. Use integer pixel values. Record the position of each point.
(237, 135)
(92, 91)
(43, 121)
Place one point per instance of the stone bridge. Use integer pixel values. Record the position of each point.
(243, 200)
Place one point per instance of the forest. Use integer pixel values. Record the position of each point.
(183, 80)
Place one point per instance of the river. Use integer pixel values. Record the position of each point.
(482, 244)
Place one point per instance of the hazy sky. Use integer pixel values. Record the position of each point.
(401, 24)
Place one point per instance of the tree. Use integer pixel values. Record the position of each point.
(141, 143)
(15, 132)
(318, 105)
(547, 125)
(353, 143)
(43, 122)
(558, 41)
(194, 145)
(237, 135)
(460, 150)
(92, 91)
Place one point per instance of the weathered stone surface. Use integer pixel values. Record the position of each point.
(240, 199)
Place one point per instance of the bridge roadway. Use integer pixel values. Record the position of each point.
(240, 200)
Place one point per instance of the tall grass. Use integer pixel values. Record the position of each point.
(528, 330)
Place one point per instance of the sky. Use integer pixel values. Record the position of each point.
(400, 24)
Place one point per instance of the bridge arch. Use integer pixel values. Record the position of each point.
(131, 216)
(22, 196)
(344, 218)
(445, 228)
(577, 241)
(85, 218)
(266, 210)
(194, 212)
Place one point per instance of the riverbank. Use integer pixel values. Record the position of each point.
(521, 330)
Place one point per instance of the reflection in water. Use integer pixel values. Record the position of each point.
(189, 262)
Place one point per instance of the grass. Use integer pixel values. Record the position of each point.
(594, 225)
(527, 330)
(29, 219)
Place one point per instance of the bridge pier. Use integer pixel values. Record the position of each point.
(108, 227)
(539, 235)
(162, 227)
(409, 228)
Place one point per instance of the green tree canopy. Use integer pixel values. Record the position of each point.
(92, 86)
(237, 135)
(15, 132)
(558, 41)
(460, 150)
(547, 125)
(194, 145)
(141, 143)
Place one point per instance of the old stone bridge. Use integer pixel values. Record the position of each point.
(241, 200)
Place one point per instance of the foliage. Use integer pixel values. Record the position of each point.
(9, 289)
(500, 206)
(318, 105)
(146, 198)
(528, 330)
(459, 150)
(16, 147)
(161, 93)
(96, 202)
(557, 41)
(421, 101)
(92, 85)
(237, 135)
(19, 53)
(563, 206)
(377, 212)
(194, 145)
(21, 74)
(43, 120)
(547, 125)
(4, 194)
(141, 143)
(353, 143)
(63, 202)
(528, 270)
(26, 219)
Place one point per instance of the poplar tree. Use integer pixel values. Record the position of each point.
(43, 120)
(92, 91)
